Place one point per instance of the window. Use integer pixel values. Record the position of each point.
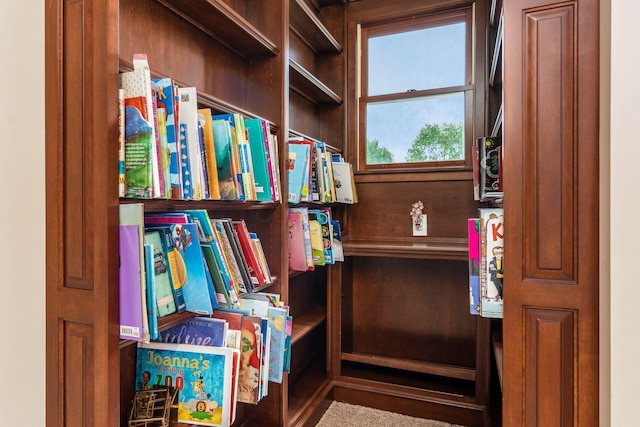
(416, 92)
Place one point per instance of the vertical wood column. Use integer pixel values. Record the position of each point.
(82, 213)
(551, 213)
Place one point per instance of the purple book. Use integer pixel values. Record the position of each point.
(197, 331)
(131, 325)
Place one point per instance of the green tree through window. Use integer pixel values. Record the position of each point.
(378, 155)
(437, 142)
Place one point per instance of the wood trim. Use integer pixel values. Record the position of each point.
(551, 213)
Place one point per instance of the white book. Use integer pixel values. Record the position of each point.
(189, 115)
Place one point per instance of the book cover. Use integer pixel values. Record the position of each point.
(158, 172)
(298, 167)
(274, 161)
(189, 116)
(191, 264)
(204, 376)
(204, 118)
(173, 262)
(166, 101)
(164, 300)
(141, 65)
(277, 321)
(165, 153)
(473, 233)
(344, 183)
(262, 258)
(130, 295)
(323, 216)
(197, 331)
(250, 359)
(133, 214)
(258, 142)
(152, 307)
(237, 138)
(492, 261)
(204, 191)
(297, 251)
(317, 246)
(475, 164)
(138, 137)
(336, 244)
(489, 158)
(222, 141)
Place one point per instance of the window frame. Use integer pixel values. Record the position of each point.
(416, 22)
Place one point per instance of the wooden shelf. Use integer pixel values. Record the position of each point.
(306, 24)
(224, 24)
(413, 366)
(305, 323)
(161, 205)
(455, 249)
(496, 340)
(309, 86)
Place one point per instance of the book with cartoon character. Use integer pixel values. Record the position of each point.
(491, 261)
(206, 378)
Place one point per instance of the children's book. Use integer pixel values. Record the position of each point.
(490, 162)
(262, 258)
(259, 144)
(131, 315)
(204, 376)
(336, 243)
(223, 144)
(121, 126)
(166, 101)
(298, 164)
(139, 138)
(278, 322)
(237, 141)
(152, 307)
(133, 214)
(204, 118)
(317, 246)
(172, 263)
(344, 183)
(242, 232)
(197, 331)
(297, 251)
(186, 176)
(473, 232)
(231, 257)
(248, 278)
(189, 117)
(162, 275)
(323, 216)
(491, 261)
(191, 264)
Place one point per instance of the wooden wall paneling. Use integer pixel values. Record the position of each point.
(81, 290)
(551, 213)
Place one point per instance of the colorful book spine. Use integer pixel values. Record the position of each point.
(473, 232)
(185, 164)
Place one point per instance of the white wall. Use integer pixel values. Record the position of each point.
(625, 210)
(22, 254)
(22, 258)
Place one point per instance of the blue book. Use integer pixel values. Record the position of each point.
(223, 144)
(197, 331)
(298, 166)
(237, 136)
(152, 307)
(278, 324)
(191, 269)
(166, 99)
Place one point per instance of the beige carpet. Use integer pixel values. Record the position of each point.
(341, 414)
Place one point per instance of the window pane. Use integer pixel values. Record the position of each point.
(417, 130)
(421, 59)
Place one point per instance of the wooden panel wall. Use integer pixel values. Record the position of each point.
(81, 269)
(551, 208)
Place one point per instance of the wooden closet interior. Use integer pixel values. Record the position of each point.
(390, 326)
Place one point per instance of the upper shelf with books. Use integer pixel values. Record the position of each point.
(310, 87)
(163, 205)
(310, 29)
(224, 24)
(454, 248)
